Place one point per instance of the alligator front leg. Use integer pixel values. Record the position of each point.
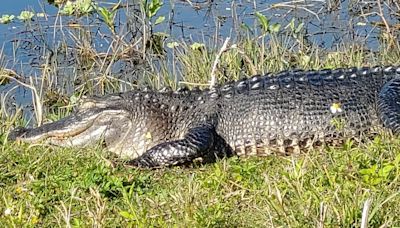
(199, 142)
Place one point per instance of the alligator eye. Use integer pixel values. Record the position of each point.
(87, 104)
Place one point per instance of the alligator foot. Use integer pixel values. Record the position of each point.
(199, 142)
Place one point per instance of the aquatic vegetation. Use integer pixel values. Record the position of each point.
(5, 19)
(108, 15)
(79, 7)
(266, 26)
(26, 15)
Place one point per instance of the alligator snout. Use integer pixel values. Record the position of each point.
(17, 133)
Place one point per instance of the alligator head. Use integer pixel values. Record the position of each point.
(95, 119)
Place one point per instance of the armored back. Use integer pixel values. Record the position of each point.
(298, 109)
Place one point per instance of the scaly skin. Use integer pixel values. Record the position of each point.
(283, 113)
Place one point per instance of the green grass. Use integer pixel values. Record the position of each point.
(46, 186)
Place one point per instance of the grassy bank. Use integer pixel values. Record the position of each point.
(45, 186)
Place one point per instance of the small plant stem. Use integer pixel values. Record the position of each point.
(36, 98)
(381, 15)
(364, 218)
(224, 47)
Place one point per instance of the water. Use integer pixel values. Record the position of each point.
(197, 19)
(327, 24)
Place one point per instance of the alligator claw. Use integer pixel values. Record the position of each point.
(142, 163)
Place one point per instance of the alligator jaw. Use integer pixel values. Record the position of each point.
(76, 129)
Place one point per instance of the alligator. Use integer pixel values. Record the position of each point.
(285, 113)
